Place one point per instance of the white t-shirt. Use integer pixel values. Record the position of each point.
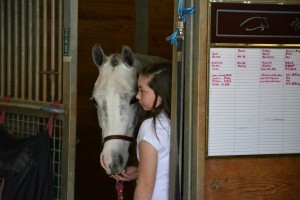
(160, 140)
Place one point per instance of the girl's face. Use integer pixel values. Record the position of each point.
(146, 95)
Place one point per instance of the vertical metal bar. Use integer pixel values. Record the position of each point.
(45, 35)
(23, 51)
(188, 174)
(37, 49)
(60, 43)
(141, 26)
(8, 52)
(177, 119)
(69, 99)
(2, 39)
(180, 103)
(30, 63)
(199, 40)
(52, 75)
(16, 49)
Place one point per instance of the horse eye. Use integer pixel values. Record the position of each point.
(133, 100)
(94, 101)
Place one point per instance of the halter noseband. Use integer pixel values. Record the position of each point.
(117, 137)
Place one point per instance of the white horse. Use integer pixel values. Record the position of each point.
(114, 96)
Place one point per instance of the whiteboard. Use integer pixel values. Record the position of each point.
(254, 101)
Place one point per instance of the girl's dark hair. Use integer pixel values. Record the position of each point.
(161, 83)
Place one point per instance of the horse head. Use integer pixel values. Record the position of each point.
(114, 96)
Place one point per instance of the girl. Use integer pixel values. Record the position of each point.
(153, 140)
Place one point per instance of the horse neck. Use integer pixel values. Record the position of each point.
(144, 60)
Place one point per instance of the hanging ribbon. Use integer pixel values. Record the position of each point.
(182, 12)
(49, 126)
(3, 111)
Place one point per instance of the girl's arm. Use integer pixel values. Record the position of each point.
(147, 171)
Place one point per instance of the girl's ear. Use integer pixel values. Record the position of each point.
(159, 98)
(159, 101)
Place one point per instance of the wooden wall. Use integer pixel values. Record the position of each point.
(272, 177)
(257, 177)
(112, 24)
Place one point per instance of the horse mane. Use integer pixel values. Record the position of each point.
(142, 60)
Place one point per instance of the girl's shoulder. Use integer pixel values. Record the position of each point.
(161, 118)
(147, 122)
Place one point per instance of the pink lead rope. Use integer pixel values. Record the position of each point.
(119, 188)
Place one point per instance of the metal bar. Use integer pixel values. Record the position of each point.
(174, 185)
(37, 50)
(23, 52)
(69, 99)
(188, 173)
(2, 39)
(60, 43)
(16, 49)
(45, 33)
(8, 52)
(180, 107)
(52, 76)
(141, 24)
(30, 56)
(33, 107)
(177, 115)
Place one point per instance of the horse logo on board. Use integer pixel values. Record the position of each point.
(255, 23)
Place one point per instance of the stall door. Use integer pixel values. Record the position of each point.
(38, 65)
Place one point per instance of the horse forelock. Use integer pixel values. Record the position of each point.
(115, 60)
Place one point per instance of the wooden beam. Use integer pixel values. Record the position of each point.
(141, 26)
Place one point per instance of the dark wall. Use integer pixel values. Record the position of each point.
(112, 24)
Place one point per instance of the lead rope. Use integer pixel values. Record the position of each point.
(119, 188)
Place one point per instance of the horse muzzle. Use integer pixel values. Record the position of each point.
(114, 161)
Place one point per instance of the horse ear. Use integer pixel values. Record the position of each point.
(98, 55)
(127, 56)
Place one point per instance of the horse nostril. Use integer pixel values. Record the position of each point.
(121, 160)
(117, 166)
(94, 101)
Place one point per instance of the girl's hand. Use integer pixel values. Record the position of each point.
(130, 173)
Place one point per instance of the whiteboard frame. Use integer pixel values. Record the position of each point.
(239, 45)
